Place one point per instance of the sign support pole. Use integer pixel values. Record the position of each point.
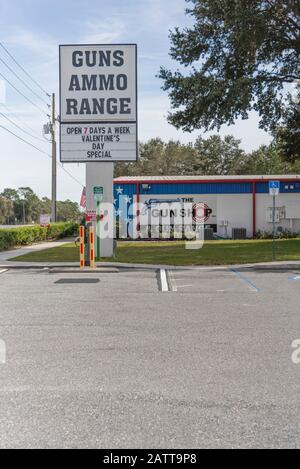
(274, 229)
(274, 190)
(53, 195)
(100, 176)
(98, 230)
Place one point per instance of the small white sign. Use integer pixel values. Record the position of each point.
(98, 193)
(45, 220)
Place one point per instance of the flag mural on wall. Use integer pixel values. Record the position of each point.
(162, 210)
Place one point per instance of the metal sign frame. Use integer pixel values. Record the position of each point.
(98, 122)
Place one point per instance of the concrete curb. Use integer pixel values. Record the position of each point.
(289, 265)
(72, 270)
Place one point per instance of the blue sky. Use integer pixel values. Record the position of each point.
(32, 30)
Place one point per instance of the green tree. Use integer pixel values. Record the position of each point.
(6, 210)
(68, 211)
(265, 160)
(23, 201)
(13, 196)
(46, 205)
(32, 204)
(217, 156)
(287, 135)
(239, 55)
(157, 157)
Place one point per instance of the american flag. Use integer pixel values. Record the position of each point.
(83, 198)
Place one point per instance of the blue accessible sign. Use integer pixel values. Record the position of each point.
(274, 187)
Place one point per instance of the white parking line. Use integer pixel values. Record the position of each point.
(3, 270)
(163, 280)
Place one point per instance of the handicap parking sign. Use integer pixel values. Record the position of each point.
(274, 187)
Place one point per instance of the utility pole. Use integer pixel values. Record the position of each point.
(53, 192)
(24, 218)
(274, 230)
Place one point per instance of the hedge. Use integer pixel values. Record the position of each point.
(21, 236)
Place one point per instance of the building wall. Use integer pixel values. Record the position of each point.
(290, 204)
(237, 210)
(231, 202)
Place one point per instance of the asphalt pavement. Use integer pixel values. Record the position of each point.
(109, 360)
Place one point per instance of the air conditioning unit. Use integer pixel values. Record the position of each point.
(239, 233)
(208, 234)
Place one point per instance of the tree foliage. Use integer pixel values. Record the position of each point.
(287, 134)
(217, 156)
(15, 203)
(239, 55)
(157, 157)
(207, 156)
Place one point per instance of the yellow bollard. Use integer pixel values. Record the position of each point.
(92, 247)
(81, 232)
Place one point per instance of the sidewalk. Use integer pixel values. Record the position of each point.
(6, 255)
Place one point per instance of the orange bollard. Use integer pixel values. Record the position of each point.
(81, 249)
(92, 247)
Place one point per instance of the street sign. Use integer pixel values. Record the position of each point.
(98, 193)
(91, 215)
(98, 103)
(274, 187)
(45, 220)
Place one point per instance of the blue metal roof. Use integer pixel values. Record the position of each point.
(204, 188)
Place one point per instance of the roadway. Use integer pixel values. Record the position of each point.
(109, 360)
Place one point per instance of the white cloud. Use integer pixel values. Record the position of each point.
(100, 32)
(153, 111)
(43, 46)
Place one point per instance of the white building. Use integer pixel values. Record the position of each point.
(231, 201)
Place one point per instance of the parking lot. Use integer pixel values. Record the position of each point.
(115, 360)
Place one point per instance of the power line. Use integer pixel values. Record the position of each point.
(22, 130)
(24, 96)
(17, 117)
(24, 71)
(41, 151)
(71, 175)
(24, 83)
(25, 141)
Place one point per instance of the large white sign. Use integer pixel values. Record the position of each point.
(98, 102)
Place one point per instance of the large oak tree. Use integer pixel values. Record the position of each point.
(239, 56)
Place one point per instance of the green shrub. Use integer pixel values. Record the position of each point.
(286, 234)
(13, 237)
